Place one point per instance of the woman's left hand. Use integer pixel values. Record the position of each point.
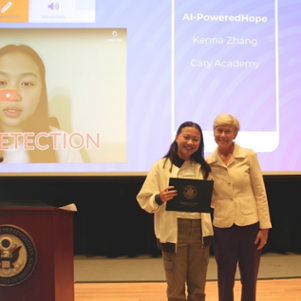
(261, 238)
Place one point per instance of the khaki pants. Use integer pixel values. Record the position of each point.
(188, 265)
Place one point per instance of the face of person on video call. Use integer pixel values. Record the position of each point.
(20, 90)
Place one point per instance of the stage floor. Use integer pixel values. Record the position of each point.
(144, 268)
(267, 290)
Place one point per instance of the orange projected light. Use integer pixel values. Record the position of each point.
(13, 11)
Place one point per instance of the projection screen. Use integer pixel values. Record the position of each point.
(100, 87)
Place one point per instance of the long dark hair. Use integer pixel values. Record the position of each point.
(39, 121)
(198, 156)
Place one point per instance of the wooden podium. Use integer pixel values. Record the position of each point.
(51, 230)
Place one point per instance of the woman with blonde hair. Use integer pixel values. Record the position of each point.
(241, 213)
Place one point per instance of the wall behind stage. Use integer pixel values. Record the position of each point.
(109, 221)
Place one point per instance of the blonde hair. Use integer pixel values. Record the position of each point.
(226, 119)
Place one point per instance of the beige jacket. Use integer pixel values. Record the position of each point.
(166, 227)
(239, 195)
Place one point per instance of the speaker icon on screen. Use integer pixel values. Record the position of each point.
(54, 6)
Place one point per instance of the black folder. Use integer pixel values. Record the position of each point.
(193, 195)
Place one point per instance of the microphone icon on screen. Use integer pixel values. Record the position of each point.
(54, 6)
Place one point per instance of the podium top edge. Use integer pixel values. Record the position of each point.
(31, 208)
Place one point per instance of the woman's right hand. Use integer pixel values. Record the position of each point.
(168, 194)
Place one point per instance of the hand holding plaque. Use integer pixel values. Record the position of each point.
(193, 195)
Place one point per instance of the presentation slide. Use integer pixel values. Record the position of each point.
(100, 87)
(225, 59)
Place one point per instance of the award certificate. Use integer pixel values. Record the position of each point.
(193, 195)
